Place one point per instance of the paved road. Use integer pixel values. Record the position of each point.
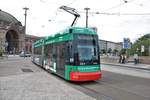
(116, 83)
(114, 86)
(132, 71)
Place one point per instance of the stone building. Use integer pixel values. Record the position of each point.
(106, 45)
(29, 39)
(12, 36)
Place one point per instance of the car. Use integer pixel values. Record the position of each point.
(25, 54)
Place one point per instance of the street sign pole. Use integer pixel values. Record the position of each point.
(142, 49)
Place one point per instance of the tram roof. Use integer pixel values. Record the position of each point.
(38, 43)
(73, 30)
(65, 35)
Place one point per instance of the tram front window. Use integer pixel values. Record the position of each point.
(86, 51)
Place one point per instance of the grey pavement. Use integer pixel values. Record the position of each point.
(9, 57)
(113, 60)
(36, 85)
(130, 65)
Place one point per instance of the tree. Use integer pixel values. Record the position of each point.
(123, 51)
(115, 51)
(109, 50)
(1, 52)
(103, 51)
(136, 47)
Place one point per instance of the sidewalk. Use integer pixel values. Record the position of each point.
(37, 86)
(129, 65)
(33, 83)
(10, 57)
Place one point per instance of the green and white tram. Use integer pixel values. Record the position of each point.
(72, 54)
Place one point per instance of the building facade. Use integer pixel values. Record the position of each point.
(29, 39)
(12, 36)
(109, 46)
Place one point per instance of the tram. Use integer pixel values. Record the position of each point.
(72, 54)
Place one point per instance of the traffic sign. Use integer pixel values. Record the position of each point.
(126, 43)
(142, 48)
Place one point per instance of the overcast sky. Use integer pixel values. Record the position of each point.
(131, 19)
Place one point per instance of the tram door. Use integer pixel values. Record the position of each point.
(60, 60)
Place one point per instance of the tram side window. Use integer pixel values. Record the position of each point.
(64, 53)
(68, 53)
(54, 52)
(48, 50)
(62, 50)
(61, 57)
(38, 50)
(48, 54)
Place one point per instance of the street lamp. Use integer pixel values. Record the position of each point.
(25, 8)
(86, 16)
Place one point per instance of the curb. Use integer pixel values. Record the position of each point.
(125, 66)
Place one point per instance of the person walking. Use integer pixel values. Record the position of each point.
(120, 58)
(135, 58)
(123, 59)
(14, 51)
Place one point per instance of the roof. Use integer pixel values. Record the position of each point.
(6, 17)
(33, 36)
(65, 35)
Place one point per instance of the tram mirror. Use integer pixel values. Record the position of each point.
(94, 42)
(70, 30)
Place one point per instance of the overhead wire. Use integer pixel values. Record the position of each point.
(118, 13)
(58, 10)
(116, 6)
(70, 3)
(121, 13)
(104, 11)
(55, 14)
(141, 5)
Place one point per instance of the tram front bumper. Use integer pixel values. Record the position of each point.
(85, 76)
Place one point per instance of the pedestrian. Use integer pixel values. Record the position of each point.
(14, 51)
(23, 53)
(123, 59)
(135, 58)
(120, 58)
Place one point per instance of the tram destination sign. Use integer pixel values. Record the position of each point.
(85, 37)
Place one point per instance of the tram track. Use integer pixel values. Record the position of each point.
(109, 88)
(122, 89)
(116, 87)
(86, 90)
(100, 95)
(95, 94)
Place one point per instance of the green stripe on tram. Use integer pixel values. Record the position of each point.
(89, 68)
(59, 38)
(67, 72)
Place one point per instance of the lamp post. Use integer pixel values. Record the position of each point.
(25, 14)
(25, 8)
(86, 16)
